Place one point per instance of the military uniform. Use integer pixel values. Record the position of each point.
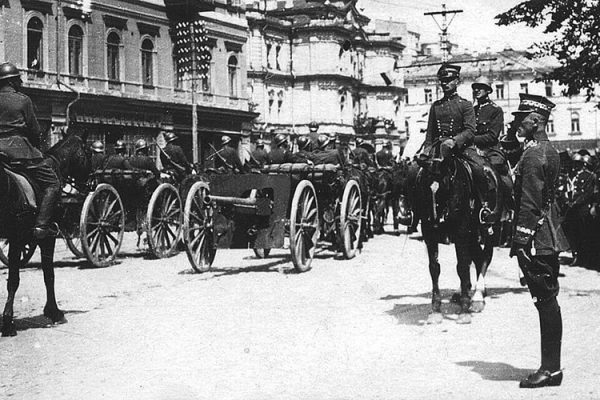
(173, 159)
(98, 161)
(144, 162)
(19, 132)
(117, 161)
(334, 156)
(450, 117)
(260, 156)
(361, 156)
(489, 124)
(279, 155)
(228, 159)
(577, 225)
(301, 156)
(384, 158)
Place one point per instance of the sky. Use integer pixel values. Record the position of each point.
(473, 29)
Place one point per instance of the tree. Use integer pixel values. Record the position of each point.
(573, 27)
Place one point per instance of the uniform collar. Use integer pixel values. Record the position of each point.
(488, 101)
(450, 96)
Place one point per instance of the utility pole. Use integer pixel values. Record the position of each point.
(444, 43)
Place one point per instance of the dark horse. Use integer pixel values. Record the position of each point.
(70, 159)
(447, 206)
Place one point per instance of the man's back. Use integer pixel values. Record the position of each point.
(144, 162)
(278, 156)
(17, 121)
(117, 161)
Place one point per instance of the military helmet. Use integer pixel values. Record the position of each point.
(8, 70)
(313, 126)
(303, 142)
(323, 141)
(97, 147)
(170, 136)
(141, 144)
(225, 140)
(482, 83)
(119, 145)
(387, 144)
(260, 143)
(577, 157)
(280, 139)
(587, 161)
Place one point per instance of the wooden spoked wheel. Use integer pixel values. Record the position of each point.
(198, 228)
(25, 253)
(350, 219)
(164, 220)
(74, 244)
(102, 225)
(304, 225)
(262, 253)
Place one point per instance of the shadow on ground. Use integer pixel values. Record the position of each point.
(496, 371)
(39, 321)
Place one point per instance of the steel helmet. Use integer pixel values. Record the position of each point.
(313, 126)
(260, 143)
(225, 140)
(482, 82)
(97, 147)
(387, 144)
(141, 144)
(170, 136)
(119, 145)
(280, 139)
(303, 142)
(587, 161)
(8, 70)
(577, 157)
(323, 141)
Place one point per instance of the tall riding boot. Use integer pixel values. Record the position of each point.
(551, 333)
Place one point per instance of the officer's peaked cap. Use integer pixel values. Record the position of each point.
(534, 103)
(448, 71)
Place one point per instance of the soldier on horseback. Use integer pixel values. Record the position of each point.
(19, 133)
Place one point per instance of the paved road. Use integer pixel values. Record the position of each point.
(253, 329)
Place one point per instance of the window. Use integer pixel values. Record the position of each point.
(277, 51)
(232, 66)
(147, 62)
(428, 96)
(524, 88)
(550, 127)
(75, 50)
(269, 55)
(575, 122)
(35, 34)
(406, 98)
(548, 89)
(500, 91)
(113, 43)
(407, 128)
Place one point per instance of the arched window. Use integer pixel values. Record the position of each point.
(35, 35)
(147, 64)
(113, 43)
(75, 50)
(232, 66)
(575, 128)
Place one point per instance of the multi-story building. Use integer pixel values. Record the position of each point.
(573, 123)
(320, 61)
(111, 65)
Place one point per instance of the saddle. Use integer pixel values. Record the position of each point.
(23, 189)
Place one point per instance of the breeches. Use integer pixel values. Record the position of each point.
(49, 194)
(542, 277)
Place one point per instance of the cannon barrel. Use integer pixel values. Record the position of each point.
(242, 201)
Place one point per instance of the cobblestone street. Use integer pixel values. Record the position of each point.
(253, 329)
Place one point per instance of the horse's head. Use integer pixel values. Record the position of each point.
(73, 155)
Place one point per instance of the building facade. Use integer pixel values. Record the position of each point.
(321, 62)
(573, 123)
(108, 67)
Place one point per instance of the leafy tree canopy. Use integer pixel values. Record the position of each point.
(574, 28)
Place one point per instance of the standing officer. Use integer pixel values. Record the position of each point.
(19, 133)
(98, 156)
(538, 237)
(260, 155)
(384, 157)
(142, 160)
(173, 158)
(281, 154)
(227, 158)
(118, 160)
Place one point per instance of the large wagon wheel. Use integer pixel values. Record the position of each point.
(164, 220)
(102, 225)
(304, 225)
(24, 255)
(73, 241)
(350, 219)
(198, 228)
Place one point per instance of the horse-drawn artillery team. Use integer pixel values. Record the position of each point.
(457, 182)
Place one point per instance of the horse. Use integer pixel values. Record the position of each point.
(391, 192)
(70, 159)
(447, 206)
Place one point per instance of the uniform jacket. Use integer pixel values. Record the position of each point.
(452, 117)
(279, 156)
(98, 161)
(228, 159)
(301, 156)
(334, 156)
(176, 154)
(144, 162)
(583, 188)
(362, 156)
(260, 156)
(535, 186)
(19, 129)
(117, 161)
(385, 158)
(489, 124)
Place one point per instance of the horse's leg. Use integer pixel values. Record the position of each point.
(481, 258)
(463, 264)
(434, 271)
(8, 325)
(395, 210)
(51, 308)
